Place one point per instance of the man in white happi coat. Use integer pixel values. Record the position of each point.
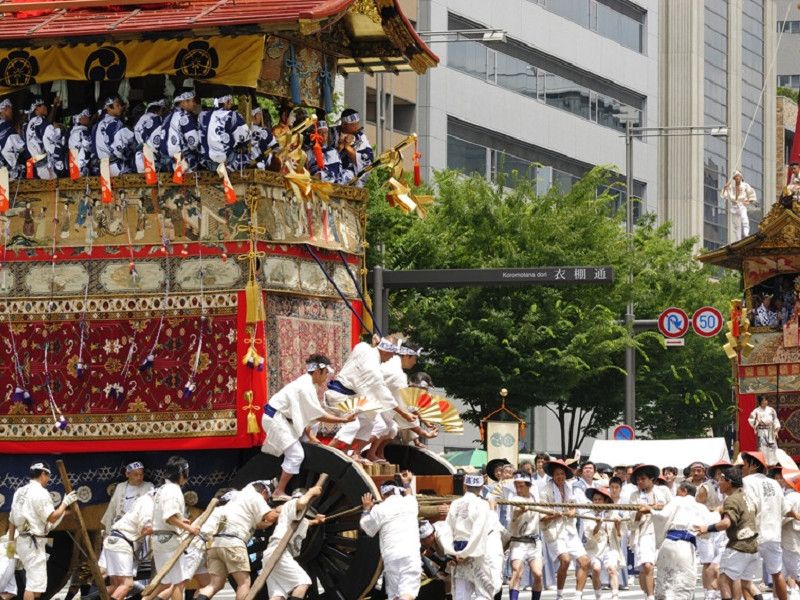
(288, 579)
(465, 539)
(361, 375)
(396, 417)
(121, 544)
(766, 496)
(789, 480)
(126, 494)
(31, 519)
(764, 421)
(395, 522)
(289, 412)
(675, 532)
(169, 523)
(710, 546)
(559, 529)
(643, 535)
(739, 195)
(526, 543)
(603, 541)
(8, 563)
(229, 533)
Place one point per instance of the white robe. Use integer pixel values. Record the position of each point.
(297, 406)
(123, 499)
(469, 520)
(676, 562)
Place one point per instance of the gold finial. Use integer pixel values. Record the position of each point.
(504, 392)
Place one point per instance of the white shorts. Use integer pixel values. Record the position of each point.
(710, 547)
(772, 555)
(180, 572)
(402, 577)
(360, 429)
(384, 425)
(608, 559)
(195, 557)
(119, 563)
(739, 565)
(33, 557)
(566, 543)
(791, 563)
(8, 583)
(293, 456)
(645, 551)
(286, 576)
(525, 552)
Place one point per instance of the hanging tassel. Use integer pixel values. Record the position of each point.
(252, 295)
(230, 193)
(149, 161)
(74, 169)
(294, 75)
(106, 194)
(253, 360)
(4, 203)
(316, 138)
(188, 390)
(147, 363)
(326, 87)
(133, 272)
(80, 369)
(27, 400)
(29, 164)
(62, 423)
(18, 395)
(177, 174)
(252, 423)
(417, 169)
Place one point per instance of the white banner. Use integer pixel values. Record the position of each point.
(502, 441)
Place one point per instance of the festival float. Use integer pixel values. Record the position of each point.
(766, 359)
(142, 316)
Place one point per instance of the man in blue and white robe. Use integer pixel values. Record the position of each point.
(331, 171)
(11, 144)
(113, 140)
(181, 133)
(263, 145)
(353, 146)
(80, 140)
(224, 135)
(144, 128)
(43, 139)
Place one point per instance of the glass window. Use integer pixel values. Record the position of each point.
(566, 94)
(469, 57)
(516, 75)
(466, 156)
(576, 11)
(618, 27)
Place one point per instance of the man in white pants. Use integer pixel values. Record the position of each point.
(766, 496)
(168, 525)
(643, 531)
(119, 547)
(395, 521)
(739, 194)
(289, 412)
(711, 546)
(32, 517)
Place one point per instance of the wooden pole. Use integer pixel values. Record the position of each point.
(255, 588)
(99, 580)
(179, 550)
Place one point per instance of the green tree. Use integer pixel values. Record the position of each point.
(561, 347)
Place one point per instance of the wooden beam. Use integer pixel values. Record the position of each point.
(11, 7)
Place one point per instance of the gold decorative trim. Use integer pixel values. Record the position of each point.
(179, 424)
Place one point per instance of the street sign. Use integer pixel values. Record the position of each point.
(674, 342)
(673, 323)
(623, 432)
(707, 321)
(582, 274)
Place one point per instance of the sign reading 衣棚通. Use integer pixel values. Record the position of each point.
(499, 277)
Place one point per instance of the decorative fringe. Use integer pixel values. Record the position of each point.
(115, 392)
(62, 423)
(255, 308)
(188, 390)
(252, 423)
(253, 360)
(147, 363)
(80, 369)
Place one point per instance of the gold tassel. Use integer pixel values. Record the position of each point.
(252, 423)
(255, 309)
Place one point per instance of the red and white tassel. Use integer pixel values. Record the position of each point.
(180, 168)
(74, 169)
(230, 193)
(106, 195)
(4, 202)
(149, 161)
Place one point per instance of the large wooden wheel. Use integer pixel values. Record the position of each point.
(342, 562)
(419, 461)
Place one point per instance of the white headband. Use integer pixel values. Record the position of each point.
(387, 346)
(133, 466)
(255, 111)
(406, 351)
(159, 103)
(473, 480)
(522, 477)
(6, 104)
(354, 118)
(425, 529)
(40, 467)
(388, 488)
(35, 103)
(315, 366)
(222, 100)
(184, 96)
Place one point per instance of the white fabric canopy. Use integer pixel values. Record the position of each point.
(662, 453)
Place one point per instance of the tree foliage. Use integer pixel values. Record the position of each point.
(561, 347)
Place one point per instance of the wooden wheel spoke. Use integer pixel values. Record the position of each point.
(330, 501)
(335, 554)
(340, 540)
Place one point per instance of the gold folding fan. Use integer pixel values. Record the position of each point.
(422, 403)
(357, 404)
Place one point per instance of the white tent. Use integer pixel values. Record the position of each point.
(662, 453)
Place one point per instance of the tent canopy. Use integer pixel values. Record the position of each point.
(662, 453)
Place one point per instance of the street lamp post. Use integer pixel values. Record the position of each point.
(631, 131)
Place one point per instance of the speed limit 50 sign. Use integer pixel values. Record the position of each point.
(707, 321)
